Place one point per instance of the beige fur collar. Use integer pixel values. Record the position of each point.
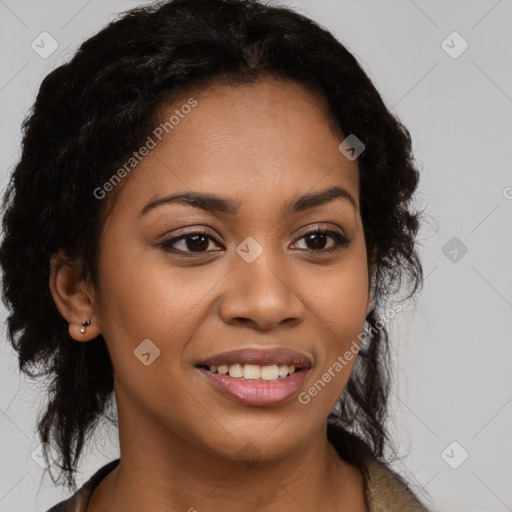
(387, 492)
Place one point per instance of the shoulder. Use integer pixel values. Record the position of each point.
(79, 501)
(387, 491)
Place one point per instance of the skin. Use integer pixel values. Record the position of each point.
(184, 446)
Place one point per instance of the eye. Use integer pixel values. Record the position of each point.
(193, 242)
(318, 238)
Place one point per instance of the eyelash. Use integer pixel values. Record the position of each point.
(340, 241)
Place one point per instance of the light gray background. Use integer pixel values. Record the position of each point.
(453, 351)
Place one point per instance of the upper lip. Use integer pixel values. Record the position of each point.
(259, 356)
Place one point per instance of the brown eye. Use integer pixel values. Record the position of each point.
(317, 239)
(197, 242)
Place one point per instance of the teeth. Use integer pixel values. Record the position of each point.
(250, 371)
(223, 369)
(254, 371)
(272, 372)
(236, 370)
(283, 370)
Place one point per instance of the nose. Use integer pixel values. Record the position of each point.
(262, 295)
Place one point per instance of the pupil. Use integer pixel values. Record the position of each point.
(315, 237)
(198, 242)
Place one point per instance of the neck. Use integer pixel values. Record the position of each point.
(159, 470)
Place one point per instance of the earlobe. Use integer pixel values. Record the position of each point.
(73, 297)
(84, 325)
(84, 331)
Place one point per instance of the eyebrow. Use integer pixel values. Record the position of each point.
(214, 203)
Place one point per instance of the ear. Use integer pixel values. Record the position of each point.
(74, 296)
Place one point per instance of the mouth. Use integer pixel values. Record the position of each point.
(257, 377)
(257, 364)
(253, 372)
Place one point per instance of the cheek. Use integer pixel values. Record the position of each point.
(337, 303)
(337, 296)
(324, 390)
(144, 306)
(143, 296)
(139, 292)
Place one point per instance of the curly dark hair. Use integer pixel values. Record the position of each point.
(91, 113)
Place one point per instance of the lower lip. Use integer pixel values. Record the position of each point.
(257, 393)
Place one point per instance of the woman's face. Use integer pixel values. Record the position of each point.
(255, 279)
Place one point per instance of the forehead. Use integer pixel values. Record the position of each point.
(275, 114)
(251, 139)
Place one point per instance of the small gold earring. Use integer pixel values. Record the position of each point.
(84, 325)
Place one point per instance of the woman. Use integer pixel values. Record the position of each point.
(208, 220)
